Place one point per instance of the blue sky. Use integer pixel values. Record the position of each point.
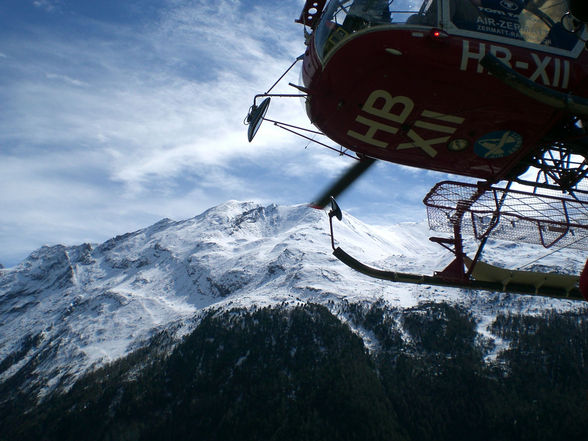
(117, 113)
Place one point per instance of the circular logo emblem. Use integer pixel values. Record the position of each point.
(509, 5)
(498, 144)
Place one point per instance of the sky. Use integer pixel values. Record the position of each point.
(115, 114)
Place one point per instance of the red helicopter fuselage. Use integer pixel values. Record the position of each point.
(413, 92)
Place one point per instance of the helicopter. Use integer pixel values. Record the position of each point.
(485, 89)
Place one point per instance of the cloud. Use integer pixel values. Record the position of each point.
(159, 107)
(47, 5)
(66, 79)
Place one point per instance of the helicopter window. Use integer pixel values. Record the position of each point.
(344, 17)
(533, 21)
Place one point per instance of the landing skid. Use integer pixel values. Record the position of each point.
(464, 272)
(507, 286)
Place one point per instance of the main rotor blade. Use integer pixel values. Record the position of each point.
(343, 182)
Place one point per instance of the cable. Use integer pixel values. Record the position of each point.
(553, 252)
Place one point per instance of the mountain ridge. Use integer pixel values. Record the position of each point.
(67, 310)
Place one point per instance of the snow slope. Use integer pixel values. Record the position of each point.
(64, 309)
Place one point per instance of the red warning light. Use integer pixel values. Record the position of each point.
(437, 33)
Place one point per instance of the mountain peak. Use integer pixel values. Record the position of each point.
(65, 309)
(95, 302)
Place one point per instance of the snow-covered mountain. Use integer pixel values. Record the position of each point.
(64, 309)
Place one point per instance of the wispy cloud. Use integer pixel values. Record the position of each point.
(66, 79)
(47, 5)
(161, 100)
